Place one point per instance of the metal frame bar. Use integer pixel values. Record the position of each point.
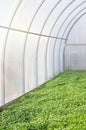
(38, 40)
(66, 30)
(52, 30)
(75, 23)
(37, 50)
(61, 28)
(75, 44)
(24, 50)
(68, 36)
(32, 33)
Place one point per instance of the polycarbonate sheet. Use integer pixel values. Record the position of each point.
(78, 33)
(50, 63)
(61, 56)
(14, 65)
(61, 9)
(72, 11)
(67, 11)
(50, 20)
(3, 33)
(57, 57)
(42, 60)
(30, 62)
(7, 9)
(75, 57)
(41, 16)
(73, 20)
(25, 14)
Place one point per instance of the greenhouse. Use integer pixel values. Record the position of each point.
(42, 65)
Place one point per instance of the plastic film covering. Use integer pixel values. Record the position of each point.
(33, 35)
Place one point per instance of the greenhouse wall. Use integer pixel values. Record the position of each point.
(33, 35)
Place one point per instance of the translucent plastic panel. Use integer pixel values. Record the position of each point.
(25, 14)
(78, 33)
(7, 10)
(57, 58)
(14, 65)
(54, 17)
(3, 33)
(50, 63)
(64, 13)
(67, 13)
(70, 14)
(75, 56)
(41, 60)
(74, 21)
(41, 15)
(30, 62)
(70, 17)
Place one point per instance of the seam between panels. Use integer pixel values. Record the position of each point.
(69, 30)
(24, 50)
(4, 51)
(52, 30)
(60, 30)
(37, 34)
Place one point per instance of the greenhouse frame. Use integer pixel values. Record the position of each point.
(38, 40)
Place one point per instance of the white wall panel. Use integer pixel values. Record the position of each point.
(61, 12)
(50, 69)
(30, 62)
(72, 21)
(78, 33)
(41, 60)
(7, 9)
(3, 33)
(41, 16)
(61, 56)
(69, 11)
(25, 14)
(75, 57)
(14, 65)
(56, 58)
(70, 14)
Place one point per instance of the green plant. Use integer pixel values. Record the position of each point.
(60, 104)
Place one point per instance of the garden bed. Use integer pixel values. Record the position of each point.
(60, 104)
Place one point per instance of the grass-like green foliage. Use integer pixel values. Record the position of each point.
(60, 104)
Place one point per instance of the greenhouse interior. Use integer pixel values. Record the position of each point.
(42, 64)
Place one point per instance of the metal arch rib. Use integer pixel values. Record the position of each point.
(24, 50)
(72, 26)
(4, 51)
(69, 15)
(37, 50)
(61, 28)
(36, 34)
(53, 27)
(70, 31)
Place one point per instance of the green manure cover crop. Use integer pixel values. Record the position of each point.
(60, 104)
